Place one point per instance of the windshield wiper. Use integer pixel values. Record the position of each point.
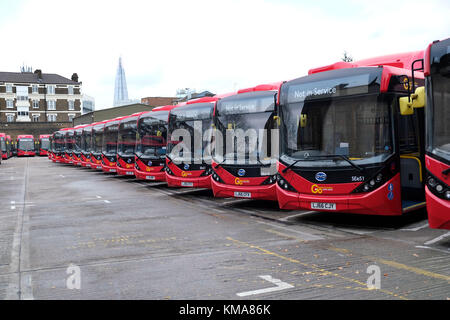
(354, 165)
(292, 164)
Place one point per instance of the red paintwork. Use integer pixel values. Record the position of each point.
(438, 209)
(375, 202)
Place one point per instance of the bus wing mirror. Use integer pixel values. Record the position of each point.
(303, 120)
(416, 100)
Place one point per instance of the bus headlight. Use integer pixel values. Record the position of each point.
(447, 195)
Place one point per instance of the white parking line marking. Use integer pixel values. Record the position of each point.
(98, 197)
(445, 235)
(107, 201)
(296, 215)
(280, 285)
(417, 228)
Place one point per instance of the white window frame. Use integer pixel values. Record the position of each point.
(51, 89)
(71, 104)
(51, 117)
(70, 90)
(51, 103)
(9, 103)
(10, 116)
(34, 86)
(9, 86)
(35, 104)
(35, 116)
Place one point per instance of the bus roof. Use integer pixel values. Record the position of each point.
(25, 136)
(262, 87)
(399, 60)
(44, 136)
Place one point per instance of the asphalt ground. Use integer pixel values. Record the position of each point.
(75, 233)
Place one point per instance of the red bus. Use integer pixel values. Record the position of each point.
(26, 146)
(86, 145)
(68, 141)
(345, 145)
(109, 148)
(126, 143)
(150, 153)
(96, 146)
(248, 170)
(191, 167)
(50, 147)
(44, 144)
(5, 143)
(59, 145)
(437, 189)
(77, 143)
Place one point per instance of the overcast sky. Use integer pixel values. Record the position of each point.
(207, 45)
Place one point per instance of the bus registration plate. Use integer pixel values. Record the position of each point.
(112, 170)
(239, 194)
(129, 173)
(323, 206)
(150, 177)
(187, 184)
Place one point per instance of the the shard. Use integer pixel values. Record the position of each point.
(120, 90)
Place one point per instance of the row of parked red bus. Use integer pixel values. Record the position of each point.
(25, 145)
(348, 137)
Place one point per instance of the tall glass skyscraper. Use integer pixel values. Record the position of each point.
(120, 89)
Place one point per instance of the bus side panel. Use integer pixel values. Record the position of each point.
(438, 211)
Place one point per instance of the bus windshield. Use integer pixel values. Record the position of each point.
(58, 142)
(86, 140)
(25, 144)
(3, 144)
(152, 133)
(69, 141)
(439, 116)
(250, 117)
(45, 143)
(77, 139)
(97, 139)
(110, 139)
(358, 128)
(127, 137)
(196, 120)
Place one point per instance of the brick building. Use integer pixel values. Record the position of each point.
(38, 97)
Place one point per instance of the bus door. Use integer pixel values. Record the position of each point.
(411, 145)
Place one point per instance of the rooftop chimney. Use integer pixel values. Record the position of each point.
(39, 73)
(75, 77)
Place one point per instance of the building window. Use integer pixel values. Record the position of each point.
(51, 105)
(9, 117)
(10, 103)
(34, 88)
(70, 89)
(35, 104)
(71, 105)
(50, 89)
(71, 116)
(9, 88)
(51, 117)
(35, 117)
(22, 113)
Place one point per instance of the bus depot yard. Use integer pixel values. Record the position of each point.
(75, 233)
